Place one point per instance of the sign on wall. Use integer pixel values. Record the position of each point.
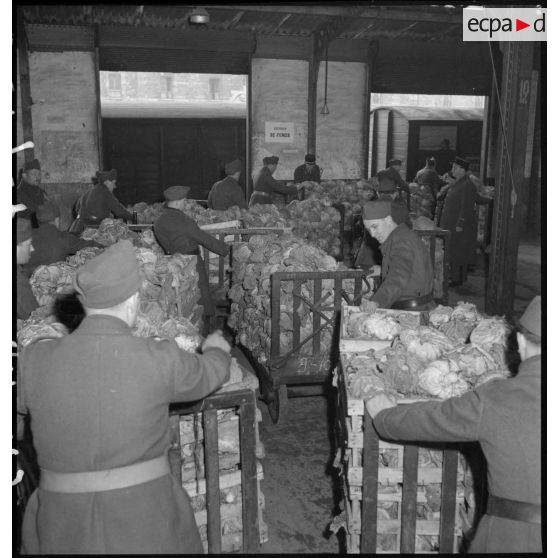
(279, 132)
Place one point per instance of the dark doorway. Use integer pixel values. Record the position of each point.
(153, 154)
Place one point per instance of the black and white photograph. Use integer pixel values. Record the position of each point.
(279, 278)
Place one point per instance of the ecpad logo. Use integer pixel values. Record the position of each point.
(504, 24)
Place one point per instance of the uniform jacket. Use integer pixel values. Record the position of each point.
(400, 184)
(429, 177)
(459, 211)
(178, 233)
(505, 417)
(98, 399)
(26, 301)
(32, 196)
(301, 174)
(98, 204)
(406, 268)
(226, 193)
(52, 245)
(264, 182)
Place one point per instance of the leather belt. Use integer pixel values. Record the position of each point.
(108, 479)
(512, 509)
(410, 303)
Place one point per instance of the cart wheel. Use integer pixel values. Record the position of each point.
(277, 402)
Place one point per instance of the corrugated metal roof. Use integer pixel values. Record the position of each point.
(111, 108)
(349, 20)
(436, 113)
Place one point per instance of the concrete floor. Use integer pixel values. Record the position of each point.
(298, 483)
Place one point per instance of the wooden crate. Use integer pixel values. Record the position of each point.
(348, 344)
(386, 486)
(218, 528)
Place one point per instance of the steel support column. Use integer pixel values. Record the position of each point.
(511, 184)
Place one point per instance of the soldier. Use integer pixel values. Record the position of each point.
(26, 301)
(99, 203)
(393, 173)
(308, 171)
(265, 185)
(178, 233)
(406, 265)
(49, 242)
(505, 417)
(227, 192)
(98, 400)
(29, 192)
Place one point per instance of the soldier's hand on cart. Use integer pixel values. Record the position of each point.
(369, 306)
(380, 402)
(216, 340)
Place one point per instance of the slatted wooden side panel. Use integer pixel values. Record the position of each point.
(362, 477)
(244, 401)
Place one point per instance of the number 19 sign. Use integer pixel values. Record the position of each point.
(279, 132)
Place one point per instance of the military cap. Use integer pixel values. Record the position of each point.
(30, 165)
(233, 166)
(376, 210)
(47, 212)
(174, 193)
(310, 158)
(270, 160)
(531, 319)
(109, 278)
(394, 162)
(463, 163)
(103, 176)
(23, 230)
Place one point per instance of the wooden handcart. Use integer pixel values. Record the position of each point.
(293, 368)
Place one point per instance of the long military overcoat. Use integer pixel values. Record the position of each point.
(505, 417)
(459, 211)
(98, 399)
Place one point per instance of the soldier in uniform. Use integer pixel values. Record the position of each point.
(99, 203)
(26, 301)
(99, 406)
(29, 192)
(227, 192)
(406, 265)
(265, 185)
(393, 173)
(49, 242)
(178, 233)
(458, 215)
(308, 171)
(505, 417)
(369, 252)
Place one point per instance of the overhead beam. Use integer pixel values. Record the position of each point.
(420, 14)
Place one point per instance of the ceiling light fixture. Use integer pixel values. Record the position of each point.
(198, 16)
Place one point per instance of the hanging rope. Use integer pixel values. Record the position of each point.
(504, 135)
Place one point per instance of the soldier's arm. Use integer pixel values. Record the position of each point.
(192, 376)
(282, 188)
(454, 420)
(117, 208)
(201, 237)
